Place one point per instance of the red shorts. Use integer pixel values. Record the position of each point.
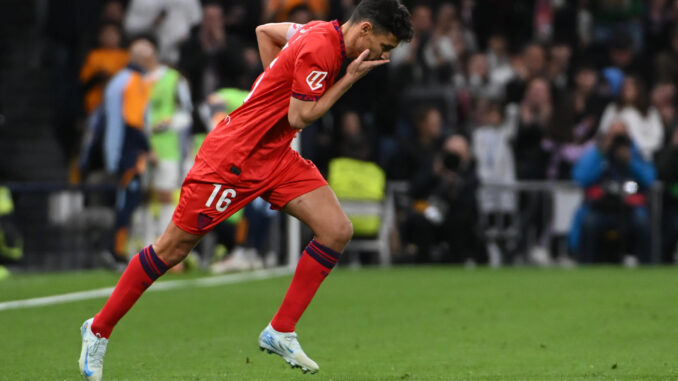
(207, 198)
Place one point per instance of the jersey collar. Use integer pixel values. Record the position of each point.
(337, 27)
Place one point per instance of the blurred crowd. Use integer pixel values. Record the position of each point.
(487, 92)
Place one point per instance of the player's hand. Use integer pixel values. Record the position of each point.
(359, 67)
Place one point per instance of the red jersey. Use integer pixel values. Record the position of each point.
(255, 137)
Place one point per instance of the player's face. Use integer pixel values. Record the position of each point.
(379, 43)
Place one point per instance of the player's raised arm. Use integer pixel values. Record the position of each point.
(272, 37)
(302, 113)
(374, 29)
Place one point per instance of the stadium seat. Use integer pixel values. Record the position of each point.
(360, 187)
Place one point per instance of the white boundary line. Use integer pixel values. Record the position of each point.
(159, 286)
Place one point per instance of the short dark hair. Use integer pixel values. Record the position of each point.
(385, 16)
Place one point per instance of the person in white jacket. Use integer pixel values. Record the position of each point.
(642, 120)
(169, 21)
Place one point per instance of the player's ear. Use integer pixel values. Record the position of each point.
(365, 28)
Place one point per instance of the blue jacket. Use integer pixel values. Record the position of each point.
(592, 166)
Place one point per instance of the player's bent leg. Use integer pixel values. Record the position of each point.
(144, 268)
(321, 211)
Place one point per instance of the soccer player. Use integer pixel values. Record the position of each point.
(248, 155)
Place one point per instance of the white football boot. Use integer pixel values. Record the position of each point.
(286, 345)
(92, 353)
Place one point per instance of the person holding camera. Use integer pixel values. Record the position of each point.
(442, 226)
(616, 180)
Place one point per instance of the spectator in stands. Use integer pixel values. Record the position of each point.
(280, 10)
(535, 112)
(113, 11)
(498, 61)
(616, 179)
(169, 113)
(476, 79)
(575, 123)
(558, 67)
(444, 227)
(641, 118)
(353, 142)
(666, 62)
(407, 59)
(125, 142)
(534, 115)
(415, 156)
(530, 64)
(169, 21)
(101, 63)
(657, 24)
(493, 154)
(211, 58)
(664, 100)
(623, 56)
(446, 46)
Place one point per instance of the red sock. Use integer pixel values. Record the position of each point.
(140, 273)
(315, 264)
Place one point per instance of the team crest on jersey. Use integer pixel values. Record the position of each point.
(315, 79)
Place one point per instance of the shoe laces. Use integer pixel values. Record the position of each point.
(292, 342)
(97, 351)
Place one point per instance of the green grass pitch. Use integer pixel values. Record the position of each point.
(404, 323)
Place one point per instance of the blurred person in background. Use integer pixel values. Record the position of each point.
(476, 79)
(657, 23)
(559, 66)
(407, 60)
(417, 153)
(499, 61)
(664, 100)
(667, 168)
(575, 123)
(534, 115)
(666, 62)
(642, 120)
(353, 142)
(442, 51)
(444, 228)
(125, 140)
(622, 54)
(113, 11)
(101, 64)
(529, 64)
(212, 59)
(616, 179)
(281, 10)
(491, 147)
(169, 21)
(169, 112)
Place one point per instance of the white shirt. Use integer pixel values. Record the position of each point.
(495, 164)
(646, 131)
(181, 16)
